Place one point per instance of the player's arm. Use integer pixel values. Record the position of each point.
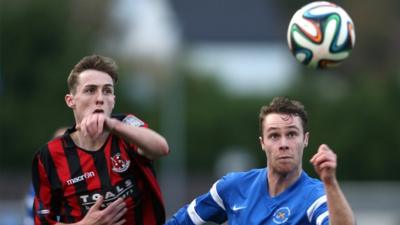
(205, 208)
(325, 164)
(151, 144)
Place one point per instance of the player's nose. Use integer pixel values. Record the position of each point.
(283, 145)
(99, 98)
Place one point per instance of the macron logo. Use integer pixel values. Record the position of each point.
(237, 208)
(82, 177)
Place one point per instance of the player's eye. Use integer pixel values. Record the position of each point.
(292, 134)
(89, 90)
(108, 91)
(273, 136)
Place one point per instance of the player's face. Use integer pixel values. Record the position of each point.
(283, 141)
(94, 94)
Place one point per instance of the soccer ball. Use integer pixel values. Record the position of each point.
(321, 35)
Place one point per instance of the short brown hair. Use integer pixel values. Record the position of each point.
(284, 105)
(94, 62)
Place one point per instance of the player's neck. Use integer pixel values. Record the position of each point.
(87, 142)
(278, 182)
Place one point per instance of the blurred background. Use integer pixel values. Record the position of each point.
(198, 73)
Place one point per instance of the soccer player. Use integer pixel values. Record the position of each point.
(281, 193)
(30, 195)
(100, 171)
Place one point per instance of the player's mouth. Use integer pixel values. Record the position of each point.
(285, 157)
(98, 111)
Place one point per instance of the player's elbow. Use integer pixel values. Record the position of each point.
(164, 147)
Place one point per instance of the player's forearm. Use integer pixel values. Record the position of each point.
(77, 223)
(340, 212)
(152, 144)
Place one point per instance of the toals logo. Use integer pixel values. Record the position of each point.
(119, 164)
(281, 215)
(123, 189)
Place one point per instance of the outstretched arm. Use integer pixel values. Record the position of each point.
(325, 164)
(151, 144)
(205, 208)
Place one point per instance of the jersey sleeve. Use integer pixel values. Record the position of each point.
(131, 120)
(318, 213)
(28, 203)
(208, 207)
(44, 204)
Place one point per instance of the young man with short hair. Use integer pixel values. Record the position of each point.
(280, 193)
(100, 171)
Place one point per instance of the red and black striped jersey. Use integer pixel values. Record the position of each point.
(68, 180)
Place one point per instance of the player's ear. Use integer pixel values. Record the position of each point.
(306, 137)
(114, 101)
(261, 142)
(69, 100)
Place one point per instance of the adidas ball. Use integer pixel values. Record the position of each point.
(321, 34)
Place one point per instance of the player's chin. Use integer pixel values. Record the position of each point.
(285, 162)
(285, 167)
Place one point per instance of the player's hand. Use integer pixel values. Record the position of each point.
(94, 124)
(112, 215)
(324, 162)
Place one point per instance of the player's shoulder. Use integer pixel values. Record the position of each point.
(242, 178)
(313, 186)
(236, 185)
(54, 145)
(244, 174)
(310, 181)
(130, 119)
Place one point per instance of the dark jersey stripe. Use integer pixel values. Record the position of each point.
(56, 150)
(87, 166)
(75, 170)
(120, 147)
(151, 208)
(102, 169)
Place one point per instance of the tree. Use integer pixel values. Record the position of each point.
(39, 43)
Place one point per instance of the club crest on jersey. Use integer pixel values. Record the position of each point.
(281, 215)
(119, 164)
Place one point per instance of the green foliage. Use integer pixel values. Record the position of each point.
(357, 119)
(216, 122)
(40, 41)
(355, 116)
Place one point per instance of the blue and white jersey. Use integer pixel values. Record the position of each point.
(28, 200)
(243, 198)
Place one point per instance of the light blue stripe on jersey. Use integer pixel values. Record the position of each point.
(215, 196)
(243, 198)
(205, 208)
(194, 216)
(28, 217)
(314, 207)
